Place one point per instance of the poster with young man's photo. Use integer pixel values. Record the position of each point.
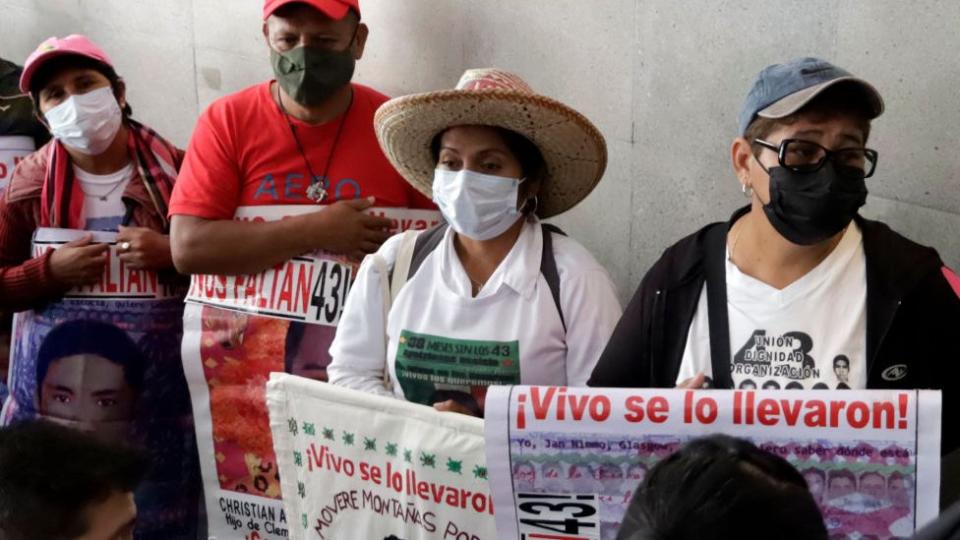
(105, 359)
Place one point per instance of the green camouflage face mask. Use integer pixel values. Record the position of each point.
(310, 75)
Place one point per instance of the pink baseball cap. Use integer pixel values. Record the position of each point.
(335, 9)
(52, 48)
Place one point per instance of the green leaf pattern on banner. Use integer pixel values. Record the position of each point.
(390, 449)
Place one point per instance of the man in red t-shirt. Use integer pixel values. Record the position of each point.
(305, 138)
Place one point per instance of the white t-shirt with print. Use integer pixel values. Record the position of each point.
(438, 342)
(103, 207)
(812, 333)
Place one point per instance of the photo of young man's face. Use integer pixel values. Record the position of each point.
(841, 368)
(553, 477)
(525, 476)
(815, 483)
(636, 473)
(88, 391)
(610, 477)
(841, 486)
(873, 485)
(581, 479)
(898, 489)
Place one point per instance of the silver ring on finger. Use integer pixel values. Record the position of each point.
(124, 246)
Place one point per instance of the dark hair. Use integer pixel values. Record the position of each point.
(532, 164)
(50, 474)
(770, 384)
(873, 473)
(720, 487)
(895, 476)
(54, 66)
(818, 472)
(91, 337)
(841, 99)
(841, 357)
(793, 385)
(841, 473)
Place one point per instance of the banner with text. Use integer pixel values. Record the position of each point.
(357, 465)
(105, 359)
(564, 462)
(13, 148)
(238, 330)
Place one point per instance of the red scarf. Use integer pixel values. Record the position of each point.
(62, 199)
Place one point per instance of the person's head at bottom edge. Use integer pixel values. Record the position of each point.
(58, 483)
(721, 487)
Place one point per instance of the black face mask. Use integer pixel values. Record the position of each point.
(310, 75)
(807, 208)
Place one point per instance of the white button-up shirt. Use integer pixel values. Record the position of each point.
(437, 340)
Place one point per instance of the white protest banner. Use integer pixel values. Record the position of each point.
(871, 458)
(105, 359)
(237, 331)
(357, 465)
(13, 148)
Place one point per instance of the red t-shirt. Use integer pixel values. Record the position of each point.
(242, 153)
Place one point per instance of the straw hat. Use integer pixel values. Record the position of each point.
(574, 150)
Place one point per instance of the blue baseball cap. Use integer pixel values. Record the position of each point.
(783, 89)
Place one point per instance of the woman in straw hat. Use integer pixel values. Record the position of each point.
(492, 296)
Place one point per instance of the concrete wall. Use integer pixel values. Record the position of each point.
(663, 79)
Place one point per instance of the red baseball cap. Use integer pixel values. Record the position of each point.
(52, 48)
(335, 9)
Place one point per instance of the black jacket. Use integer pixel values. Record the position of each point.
(16, 109)
(913, 319)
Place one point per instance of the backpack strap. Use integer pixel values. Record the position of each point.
(548, 267)
(717, 312)
(427, 242)
(401, 268)
(416, 246)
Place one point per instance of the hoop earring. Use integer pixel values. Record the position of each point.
(744, 188)
(536, 204)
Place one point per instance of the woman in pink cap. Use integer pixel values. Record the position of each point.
(103, 171)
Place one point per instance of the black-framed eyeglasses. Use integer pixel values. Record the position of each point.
(803, 156)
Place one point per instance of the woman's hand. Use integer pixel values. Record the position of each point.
(79, 262)
(144, 249)
(694, 382)
(451, 405)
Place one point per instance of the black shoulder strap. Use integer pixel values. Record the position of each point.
(427, 241)
(715, 265)
(548, 267)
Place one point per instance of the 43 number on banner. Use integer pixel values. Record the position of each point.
(543, 516)
(330, 292)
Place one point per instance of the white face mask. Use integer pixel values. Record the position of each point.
(87, 122)
(479, 206)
